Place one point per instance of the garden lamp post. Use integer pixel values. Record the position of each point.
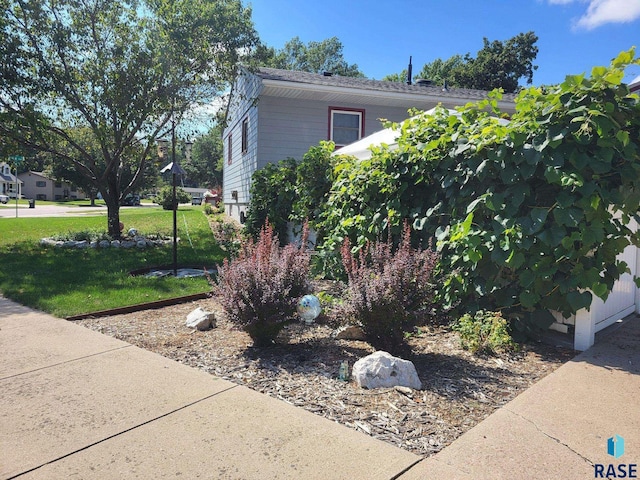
(176, 171)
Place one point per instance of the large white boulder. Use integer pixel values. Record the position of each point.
(200, 319)
(383, 370)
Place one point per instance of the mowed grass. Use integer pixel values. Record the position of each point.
(66, 282)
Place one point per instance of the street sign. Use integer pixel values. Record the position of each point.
(16, 158)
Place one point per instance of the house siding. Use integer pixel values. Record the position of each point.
(49, 191)
(237, 175)
(279, 117)
(288, 112)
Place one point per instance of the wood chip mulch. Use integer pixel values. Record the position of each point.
(459, 389)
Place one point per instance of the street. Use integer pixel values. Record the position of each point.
(9, 210)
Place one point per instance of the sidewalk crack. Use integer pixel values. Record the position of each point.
(70, 360)
(102, 440)
(557, 440)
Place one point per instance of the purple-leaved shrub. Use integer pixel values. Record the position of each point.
(388, 289)
(259, 290)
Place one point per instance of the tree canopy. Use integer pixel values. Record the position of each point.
(205, 165)
(314, 57)
(497, 65)
(118, 72)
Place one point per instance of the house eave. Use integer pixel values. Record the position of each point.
(344, 95)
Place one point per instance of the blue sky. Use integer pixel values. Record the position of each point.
(574, 35)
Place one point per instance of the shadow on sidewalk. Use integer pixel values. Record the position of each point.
(616, 347)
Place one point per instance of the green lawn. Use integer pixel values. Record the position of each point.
(68, 282)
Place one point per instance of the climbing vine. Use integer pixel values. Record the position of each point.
(528, 214)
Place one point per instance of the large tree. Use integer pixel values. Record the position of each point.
(440, 71)
(61, 168)
(120, 70)
(205, 165)
(437, 71)
(314, 57)
(497, 65)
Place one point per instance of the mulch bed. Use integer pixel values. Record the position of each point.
(459, 389)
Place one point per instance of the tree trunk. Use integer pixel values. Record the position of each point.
(113, 217)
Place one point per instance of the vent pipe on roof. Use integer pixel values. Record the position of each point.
(423, 82)
(409, 71)
(445, 88)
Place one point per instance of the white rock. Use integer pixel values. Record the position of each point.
(383, 370)
(115, 243)
(49, 242)
(200, 319)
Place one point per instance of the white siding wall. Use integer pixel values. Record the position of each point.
(237, 175)
(288, 127)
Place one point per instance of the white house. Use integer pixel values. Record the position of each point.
(275, 114)
(9, 184)
(39, 186)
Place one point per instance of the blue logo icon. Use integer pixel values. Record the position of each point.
(615, 446)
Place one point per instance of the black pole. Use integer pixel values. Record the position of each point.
(175, 203)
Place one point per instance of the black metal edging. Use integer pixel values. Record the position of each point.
(141, 306)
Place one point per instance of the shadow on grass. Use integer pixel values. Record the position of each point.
(71, 281)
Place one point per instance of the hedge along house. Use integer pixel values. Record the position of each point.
(624, 298)
(275, 114)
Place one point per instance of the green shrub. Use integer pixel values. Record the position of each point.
(484, 332)
(530, 215)
(388, 289)
(165, 197)
(272, 196)
(228, 235)
(260, 289)
(291, 191)
(91, 235)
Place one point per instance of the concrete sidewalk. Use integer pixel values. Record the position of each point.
(78, 404)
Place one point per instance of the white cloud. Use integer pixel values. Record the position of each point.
(601, 12)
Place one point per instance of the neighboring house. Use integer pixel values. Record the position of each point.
(634, 86)
(9, 185)
(196, 192)
(40, 187)
(275, 114)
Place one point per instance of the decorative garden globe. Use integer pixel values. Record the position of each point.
(309, 308)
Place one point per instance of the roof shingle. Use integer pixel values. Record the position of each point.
(372, 85)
